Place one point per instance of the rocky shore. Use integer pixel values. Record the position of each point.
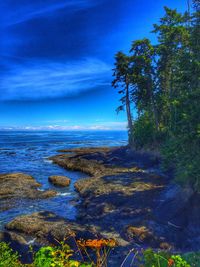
(125, 197)
(128, 195)
(17, 186)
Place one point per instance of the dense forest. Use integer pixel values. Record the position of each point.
(162, 83)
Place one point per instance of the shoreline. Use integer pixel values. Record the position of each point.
(128, 188)
(121, 199)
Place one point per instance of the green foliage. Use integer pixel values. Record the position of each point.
(149, 258)
(45, 257)
(159, 259)
(61, 257)
(144, 131)
(7, 256)
(179, 261)
(193, 258)
(122, 74)
(57, 257)
(164, 87)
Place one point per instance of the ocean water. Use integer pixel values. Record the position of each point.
(28, 152)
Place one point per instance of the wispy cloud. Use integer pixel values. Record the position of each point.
(45, 80)
(38, 9)
(107, 126)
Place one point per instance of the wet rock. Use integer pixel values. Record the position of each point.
(166, 246)
(48, 194)
(78, 164)
(127, 187)
(19, 244)
(117, 192)
(12, 237)
(84, 150)
(47, 227)
(61, 181)
(17, 186)
(141, 233)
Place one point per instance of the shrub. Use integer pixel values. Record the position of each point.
(61, 256)
(149, 258)
(8, 258)
(57, 257)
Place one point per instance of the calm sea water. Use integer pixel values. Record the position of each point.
(28, 152)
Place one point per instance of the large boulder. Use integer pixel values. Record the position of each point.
(61, 181)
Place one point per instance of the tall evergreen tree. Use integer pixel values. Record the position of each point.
(172, 34)
(143, 77)
(122, 82)
(163, 83)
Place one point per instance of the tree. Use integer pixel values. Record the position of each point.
(122, 82)
(172, 38)
(143, 77)
(163, 83)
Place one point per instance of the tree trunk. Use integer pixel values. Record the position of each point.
(128, 109)
(152, 101)
(154, 112)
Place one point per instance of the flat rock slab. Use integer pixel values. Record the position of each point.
(18, 186)
(61, 181)
(127, 190)
(46, 228)
(118, 192)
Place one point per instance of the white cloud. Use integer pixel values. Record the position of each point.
(38, 9)
(53, 80)
(107, 126)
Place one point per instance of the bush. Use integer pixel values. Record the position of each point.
(143, 132)
(186, 157)
(7, 256)
(45, 257)
(57, 257)
(149, 258)
(62, 257)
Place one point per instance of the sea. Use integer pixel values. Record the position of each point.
(29, 152)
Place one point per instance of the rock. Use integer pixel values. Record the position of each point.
(20, 244)
(48, 194)
(84, 150)
(193, 222)
(165, 246)
(127, 187)
(91, 167)
(61, 181)
(141, 233)
(174, 202)
(46, 226)
(16, 186)
(117, 192)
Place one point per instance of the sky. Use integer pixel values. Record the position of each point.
(57, 56)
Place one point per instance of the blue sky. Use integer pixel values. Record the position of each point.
(57, 59)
